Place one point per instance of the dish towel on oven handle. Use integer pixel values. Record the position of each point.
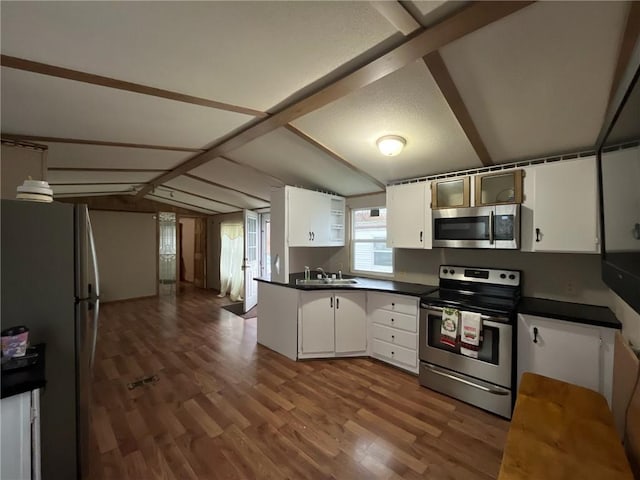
(449, 328)
(470, 333)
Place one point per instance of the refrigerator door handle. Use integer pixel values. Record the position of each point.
(96, 314)
(94, 259)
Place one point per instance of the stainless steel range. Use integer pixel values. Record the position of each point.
(479, 374)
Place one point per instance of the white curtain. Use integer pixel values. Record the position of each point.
(231, 253)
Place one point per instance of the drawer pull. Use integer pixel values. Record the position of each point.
(392, 320)
(393, 337)
(393, 304)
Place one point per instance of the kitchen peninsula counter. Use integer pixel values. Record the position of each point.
(278, 306)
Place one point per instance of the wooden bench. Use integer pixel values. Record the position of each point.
(562, 431)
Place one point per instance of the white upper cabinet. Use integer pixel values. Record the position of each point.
(315, 219)
(409, 215)
(561, 214)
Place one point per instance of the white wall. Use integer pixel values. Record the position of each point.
(126, 249)
(188, 246)
(16, 165)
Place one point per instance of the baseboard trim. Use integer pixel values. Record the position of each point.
(133, 299)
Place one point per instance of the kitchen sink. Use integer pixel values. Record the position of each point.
(336, 282)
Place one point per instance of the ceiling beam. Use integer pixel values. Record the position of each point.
(86, 169)
(440, 73)
(127, 203)
(203, 197)
(219, 185)
(629, 38)
(38, 138)
(397, 16)
(78, 76)
(469, 19)
(184, 203)
(62, 184)
(335, 156)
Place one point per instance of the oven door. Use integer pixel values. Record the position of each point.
(494, 357)
(464, 227)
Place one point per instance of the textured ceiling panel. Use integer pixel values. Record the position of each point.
(67, 155)
(215, 50)
(192, 200)
(240, 177)
(81, 190)
(537, 82)
(76, 176)
(216, 193)
(34, 104)
(297, 162)
(406, 103)
(168, 201)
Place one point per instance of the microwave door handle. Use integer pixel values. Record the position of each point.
(491, 223)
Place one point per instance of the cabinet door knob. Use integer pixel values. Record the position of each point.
(331, 301)
(535, 334)
(393, 304)
(393, 353)
(337, 303)
(393, 337)
(393, 320)
(538, 234)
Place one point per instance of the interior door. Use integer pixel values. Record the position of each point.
(251, 263)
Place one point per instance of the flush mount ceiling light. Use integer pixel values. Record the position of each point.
(391, 145)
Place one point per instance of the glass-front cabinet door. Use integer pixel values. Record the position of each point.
(499, 187)
(450, 193)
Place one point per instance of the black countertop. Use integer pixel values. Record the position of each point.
(378, 285)
(571, 312)
(24, 379)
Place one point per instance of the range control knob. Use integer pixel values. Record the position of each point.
(502, 275)
(512, 277)
(445, 271)
(453, 271)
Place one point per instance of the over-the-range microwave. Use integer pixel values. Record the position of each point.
(495, 226)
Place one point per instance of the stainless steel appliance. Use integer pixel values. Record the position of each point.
(50, 284)
(496, 226)
(486, 381)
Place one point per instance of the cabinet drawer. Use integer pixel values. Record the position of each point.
(395, 320)
(395, 353)
(395, 336)
(394, 303)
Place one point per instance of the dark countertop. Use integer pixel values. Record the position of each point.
(378, 285)
(571, 312)
(24, 379)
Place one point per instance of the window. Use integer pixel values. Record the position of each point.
(369, 241)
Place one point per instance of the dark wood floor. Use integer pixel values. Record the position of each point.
(225, 407)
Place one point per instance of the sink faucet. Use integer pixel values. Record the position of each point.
(321, 270)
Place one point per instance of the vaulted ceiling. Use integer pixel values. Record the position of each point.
(209, 105)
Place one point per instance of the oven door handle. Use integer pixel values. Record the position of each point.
(443, 373)
(485, 318)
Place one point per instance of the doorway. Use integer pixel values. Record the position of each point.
(187, 248)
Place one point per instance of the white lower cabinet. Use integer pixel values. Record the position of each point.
(331, 323)
(20, 427)
(575, 353)
(393, 323)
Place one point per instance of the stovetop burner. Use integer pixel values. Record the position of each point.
(487, 291)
